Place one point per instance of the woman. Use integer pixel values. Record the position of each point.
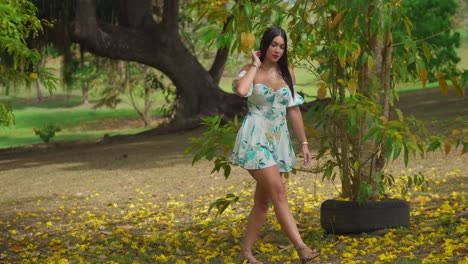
(263, 145)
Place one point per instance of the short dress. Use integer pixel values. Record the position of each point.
(263, 139)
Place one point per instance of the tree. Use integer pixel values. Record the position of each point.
(349, 46)
(18, 23)
(432, 26)
(157, 43)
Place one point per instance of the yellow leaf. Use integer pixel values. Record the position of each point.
(356, 22)
(423, 77)
(322, 92)
(33, 76)
(456, 132)
(17, 248)
(324, 76)
(352, 86)
(338, 17)
(456, 85)
(442, 83)
(321, 60)
(312, 131)
(384, 119)
(56, 248)
(370, 62)
(427, 51)
(408, 25)
(447, 145)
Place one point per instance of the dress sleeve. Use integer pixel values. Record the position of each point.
(297, 100)
(240, 75)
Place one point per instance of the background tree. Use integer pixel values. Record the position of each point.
(149, 33)
(431, 22)
(18, 61)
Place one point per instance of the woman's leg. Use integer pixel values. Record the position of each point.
(257, 219)
(271, 182)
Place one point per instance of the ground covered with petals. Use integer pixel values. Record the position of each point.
(143, 202)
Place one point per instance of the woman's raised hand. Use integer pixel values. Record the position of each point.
(256, 58)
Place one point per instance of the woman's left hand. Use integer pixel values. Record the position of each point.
(306, 153)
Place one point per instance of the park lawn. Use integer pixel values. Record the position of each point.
(70, 120)
(77, 122)
(86, 123)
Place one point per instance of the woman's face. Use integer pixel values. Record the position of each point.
(276, 49)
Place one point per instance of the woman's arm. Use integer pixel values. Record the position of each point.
(295, 116)
(242, 85)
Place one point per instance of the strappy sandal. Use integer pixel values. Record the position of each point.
(302, 254)
(246, 255)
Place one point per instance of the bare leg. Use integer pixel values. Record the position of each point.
(271, 182)
(257, 219)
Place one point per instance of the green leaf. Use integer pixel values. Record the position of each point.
(389, 148)
(227, 170)
(352, 120)
(371, 133)
(434, 145)
(400, 115)
(364, 192)
(396, 150)
(405, 154)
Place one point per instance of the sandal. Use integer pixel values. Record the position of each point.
(246, 255)
(306, 254)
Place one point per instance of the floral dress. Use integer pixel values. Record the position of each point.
(263, 139)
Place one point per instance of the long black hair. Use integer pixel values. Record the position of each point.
(271, 33)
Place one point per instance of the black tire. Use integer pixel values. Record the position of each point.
(346, 217)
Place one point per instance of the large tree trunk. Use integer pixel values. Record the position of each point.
(140, 38)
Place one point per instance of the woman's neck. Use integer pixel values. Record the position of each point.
(269, 65)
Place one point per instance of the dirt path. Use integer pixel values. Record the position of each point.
(157, 166)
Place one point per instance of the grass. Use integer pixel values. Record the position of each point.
(77, 121)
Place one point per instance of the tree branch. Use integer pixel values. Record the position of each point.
(426, 38)
(116, 42)
(171, 17)
(217, 68)
(137, 15)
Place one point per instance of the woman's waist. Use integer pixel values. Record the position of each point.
(269, 114)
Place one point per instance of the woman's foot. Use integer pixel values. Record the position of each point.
(246, 255)
(306, 254)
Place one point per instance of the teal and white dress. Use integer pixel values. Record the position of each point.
(263, 139)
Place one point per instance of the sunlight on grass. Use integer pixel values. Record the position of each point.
(77, 122)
